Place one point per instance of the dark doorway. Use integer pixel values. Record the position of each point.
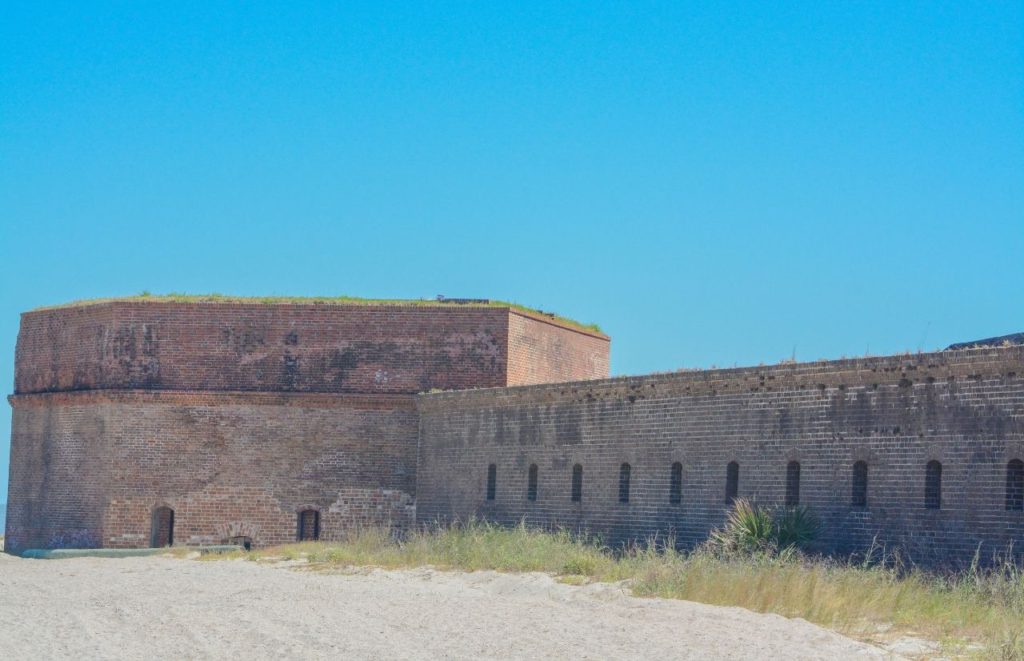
(933, 485)
(531, 485)
(675, 487)
(732, 482)
(241, 540)
(624, 471)
(309, 525)
(859, 497)
(1015, 485)
(792, 484)
(492, 481)
(162, 530)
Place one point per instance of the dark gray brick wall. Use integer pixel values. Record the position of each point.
(962, 408)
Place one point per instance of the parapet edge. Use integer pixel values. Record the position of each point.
(307, 302)
(904, 369)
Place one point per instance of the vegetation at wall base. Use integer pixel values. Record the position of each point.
(752, 528)
(978, 612)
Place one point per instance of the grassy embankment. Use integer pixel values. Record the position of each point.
(963, 611)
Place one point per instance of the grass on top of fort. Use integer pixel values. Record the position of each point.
(176, 297)
(978, 612)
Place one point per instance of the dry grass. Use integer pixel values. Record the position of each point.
(979, 608)
(960, 610)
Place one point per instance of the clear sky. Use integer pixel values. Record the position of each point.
(714, 184)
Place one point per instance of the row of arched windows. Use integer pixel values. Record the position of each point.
(576, 488)
(858, 484)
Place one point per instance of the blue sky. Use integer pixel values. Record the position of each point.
(714, 184)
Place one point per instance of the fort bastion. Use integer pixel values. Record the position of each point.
(141, 423)
(163, 422)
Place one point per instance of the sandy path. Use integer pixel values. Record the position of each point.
(158, 607)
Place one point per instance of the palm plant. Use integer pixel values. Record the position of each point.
(751, 528)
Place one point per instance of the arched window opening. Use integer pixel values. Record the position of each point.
(793, 484)
(933, 485)
(531, 486)
(309, 525)
(577, 483)
(859, 494)
(162, 530)
(675, 488)
(492, 481)
(732, 482)
(624, 471)
(1015, 485)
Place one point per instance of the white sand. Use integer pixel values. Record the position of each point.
(160, 607)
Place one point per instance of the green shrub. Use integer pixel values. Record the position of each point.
(748, 528)
(752, 529)
(583, 565)
(796, 527)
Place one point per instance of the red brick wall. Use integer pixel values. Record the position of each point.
(541, 351)
(239, 415)
(89, 468)
(261, 347)
(56, 495)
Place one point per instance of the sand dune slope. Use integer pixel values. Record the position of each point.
(163, 608)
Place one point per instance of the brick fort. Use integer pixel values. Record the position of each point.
(149, 422)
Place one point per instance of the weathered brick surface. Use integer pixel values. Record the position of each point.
(295, 348)
(89, 468)
(240, 415)
(542, 351)
(964, 409)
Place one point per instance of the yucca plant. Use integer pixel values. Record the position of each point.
(751, 528)
(748, 528)
(796, 526)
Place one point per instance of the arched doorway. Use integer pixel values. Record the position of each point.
(309, 525)
(241, 540)
(162, 531)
